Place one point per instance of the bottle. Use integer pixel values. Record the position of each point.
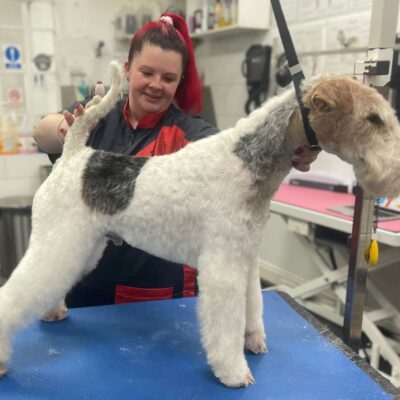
(210, 18)
(83, 90)
(9, 134)
(1, 135)
(198, 20)
(218, 14)
(26, 143)
(227, 13)
(233, 9)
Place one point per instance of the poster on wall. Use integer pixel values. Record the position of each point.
(289, 8)
(12, 56)
(15, 97)
(349, 31)
(346, 33)
(362, 4)
(318, 8)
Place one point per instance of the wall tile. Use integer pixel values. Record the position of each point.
(24, 166)
(20, 174)
(229, 99)
(18, 187)
(2, 167)
(222, 69)
(226, 121)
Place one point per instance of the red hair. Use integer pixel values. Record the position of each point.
(174, 37)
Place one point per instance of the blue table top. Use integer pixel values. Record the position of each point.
(152, 350)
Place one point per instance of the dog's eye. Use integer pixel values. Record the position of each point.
(375, 119)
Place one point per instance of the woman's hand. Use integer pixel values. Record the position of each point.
(303, 157)
(70, 118)
(80, 110)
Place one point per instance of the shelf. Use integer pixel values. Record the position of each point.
(19, 71)
(12, 27)
(225, 31)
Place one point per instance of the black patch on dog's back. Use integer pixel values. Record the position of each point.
(108, 181)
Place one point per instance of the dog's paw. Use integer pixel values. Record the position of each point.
(56, 315)
(233, 372)
(236, 379)
(255, 342)
(3, 370)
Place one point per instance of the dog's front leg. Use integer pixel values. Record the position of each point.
(255, 333)
(57, 313)
(222, 314)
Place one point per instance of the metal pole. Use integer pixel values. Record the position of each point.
(358, 269)
(381, 42)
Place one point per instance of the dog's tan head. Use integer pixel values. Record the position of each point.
(357, 124)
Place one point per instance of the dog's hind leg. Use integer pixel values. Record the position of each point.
(222, 315)
(255, 334)
(51, 265)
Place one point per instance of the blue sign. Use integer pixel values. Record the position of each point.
(12, 57)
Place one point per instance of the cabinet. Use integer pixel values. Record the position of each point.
(28, 80)
(242, 16)
(13, 74)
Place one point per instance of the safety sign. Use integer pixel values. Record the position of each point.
(12, 56)
(14, 96)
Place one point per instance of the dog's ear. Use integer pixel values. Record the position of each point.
(321, 103)
(332, 94)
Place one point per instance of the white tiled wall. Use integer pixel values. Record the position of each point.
(20, 174)
(219, 60)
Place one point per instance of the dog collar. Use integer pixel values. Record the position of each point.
(296, 71)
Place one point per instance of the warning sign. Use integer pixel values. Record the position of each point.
(14, 97)
(12, 56)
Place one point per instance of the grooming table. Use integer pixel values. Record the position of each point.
(152, 350)
(314, 205)
(310, 207)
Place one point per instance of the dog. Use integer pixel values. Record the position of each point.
(217, 192)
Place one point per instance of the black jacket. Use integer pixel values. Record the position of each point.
(126, 274)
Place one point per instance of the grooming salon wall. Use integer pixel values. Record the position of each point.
(52, 57)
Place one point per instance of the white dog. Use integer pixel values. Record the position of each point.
(216, 192)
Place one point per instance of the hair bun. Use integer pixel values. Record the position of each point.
(167, 19)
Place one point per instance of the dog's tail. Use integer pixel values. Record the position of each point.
(79, 131)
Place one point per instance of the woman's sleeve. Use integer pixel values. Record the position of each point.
(196, 128)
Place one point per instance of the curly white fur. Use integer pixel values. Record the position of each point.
(216, 193)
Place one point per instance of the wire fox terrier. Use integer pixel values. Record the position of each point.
(217, 192)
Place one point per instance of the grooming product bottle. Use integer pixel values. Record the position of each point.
(218, 14)
(8, 135)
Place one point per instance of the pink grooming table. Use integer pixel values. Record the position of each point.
(313, 205)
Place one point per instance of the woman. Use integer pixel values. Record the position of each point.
(161, 70)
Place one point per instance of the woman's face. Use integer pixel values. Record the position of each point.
(154, 75)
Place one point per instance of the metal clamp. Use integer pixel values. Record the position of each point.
(377, 67)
